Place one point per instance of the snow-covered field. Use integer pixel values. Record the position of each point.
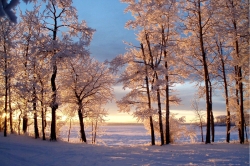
(137, 135)
(23, 150)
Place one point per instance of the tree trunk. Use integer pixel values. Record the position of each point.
(6, 93)
(241, 107)
(246, 131)
(202, 140)
(42, 113)
(43, 125)
(159, 111)
(239, 93)
(25, 123)
(54, 104)
(35, 104)
(10, 109)
(164, 44)
(206, 74)
(53, 125)
(212, 125)
(36, 125)
(167, 109)
(152, 132)
(69, 129)
(92, 125)
(19, 122)
(228, 121)
(149, 98)
(95, 131)
(238, 79)
(211, 111)
(82, 131)
(35, 113)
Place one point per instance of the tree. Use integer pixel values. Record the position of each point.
(31, 38)
(199, 116)
(223, 72)
(198, 15)
(156, 23)
(6, 45)
(137, 78)
(61, 14)
(235, 23)
(88, 83)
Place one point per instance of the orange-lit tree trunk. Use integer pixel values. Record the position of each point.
(149, 97)
(206, 73)
(82, 131)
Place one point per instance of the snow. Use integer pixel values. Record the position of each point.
(22, 150)
(136, 134)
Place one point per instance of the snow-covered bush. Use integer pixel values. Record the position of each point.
(178, 129)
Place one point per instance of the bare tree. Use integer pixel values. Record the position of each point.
(199, 116)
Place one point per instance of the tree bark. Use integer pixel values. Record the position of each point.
(82, 131)
(54, 104)
(206, 74)
(43, 125)
(202, 139)
(69, 129)
(164, 44)
(241, 107)
(95, 131)
(149, 98)
(92, 125)
(35, 113)
(42, 112)
(36, 125)
(228, 121)
(211, 111)
(167, 108)
(159, 111)
(10, 108)
(239, 85)
(6, 91)
(25, 123)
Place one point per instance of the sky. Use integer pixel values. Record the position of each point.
(108, 19)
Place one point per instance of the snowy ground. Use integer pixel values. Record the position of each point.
(121, 134)
(23, 150)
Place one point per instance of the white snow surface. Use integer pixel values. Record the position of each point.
(22, 150)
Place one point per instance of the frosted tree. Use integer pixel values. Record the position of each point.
(199, 116)
(156, 22)
(222, 69)
(95, 118)
(31, 38)
(137, 78)
(235, 23)
(197, 22)
(57, 15)
(6, 55)
(87, 84)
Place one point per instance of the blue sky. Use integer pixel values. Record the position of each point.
(108, 19)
